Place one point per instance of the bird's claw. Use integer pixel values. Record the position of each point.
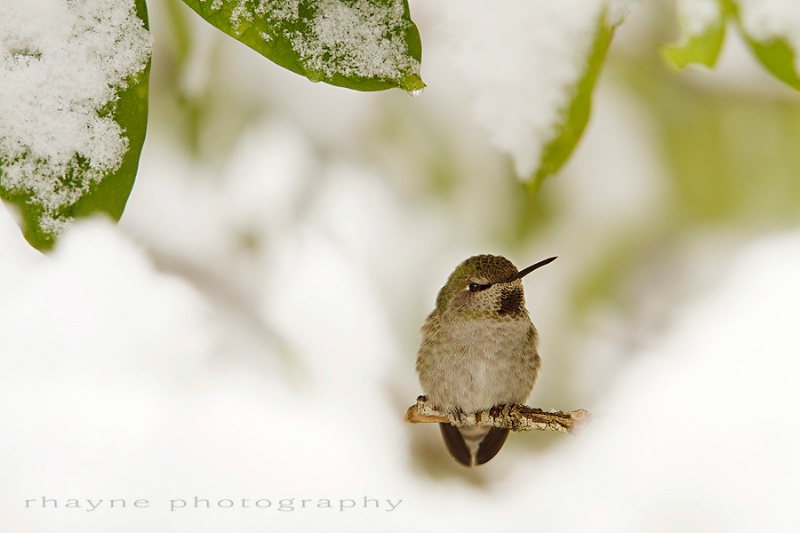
(458, 419)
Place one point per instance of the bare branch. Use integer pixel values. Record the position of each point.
(516, 418)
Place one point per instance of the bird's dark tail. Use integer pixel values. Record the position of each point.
(473, 445)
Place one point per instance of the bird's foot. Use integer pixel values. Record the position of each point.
(458, 418)
(501, 411)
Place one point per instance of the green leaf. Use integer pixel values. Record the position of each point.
(90, 189)
(576, 114)
(775, 54)
(366, 45)
(703, 48)
(111, 194)
(778, 57)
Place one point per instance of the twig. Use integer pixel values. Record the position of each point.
(516, 418)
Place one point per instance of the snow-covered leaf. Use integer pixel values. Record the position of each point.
(772, 29)
(367, 45)
(73, 109)
(575, 116)
(527, 71)
(778, 58)
(703, 23)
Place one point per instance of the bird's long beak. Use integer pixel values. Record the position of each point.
(525, 271)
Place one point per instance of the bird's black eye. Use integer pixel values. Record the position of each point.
(475, 287)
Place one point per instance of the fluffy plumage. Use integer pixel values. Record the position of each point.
(479, 349)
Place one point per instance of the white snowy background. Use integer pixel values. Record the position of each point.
(249, 329)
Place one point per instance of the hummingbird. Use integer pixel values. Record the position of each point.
(479, 349)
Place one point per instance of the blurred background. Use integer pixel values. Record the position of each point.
(251, 325)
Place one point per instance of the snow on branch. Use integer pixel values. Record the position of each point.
(516, 418)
